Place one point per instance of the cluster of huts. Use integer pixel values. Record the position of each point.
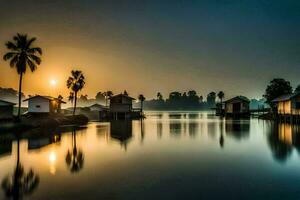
(120, 107)
(288, 107)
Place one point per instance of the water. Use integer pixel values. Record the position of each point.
(171, 155)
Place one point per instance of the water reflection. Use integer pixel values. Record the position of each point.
(238, 129)
(5, 147)
(74, 157)
(121, 131)
(37, 143)
(282, 138)
(20, 183)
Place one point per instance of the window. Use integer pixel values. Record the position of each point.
(37, 106)
(297, 105)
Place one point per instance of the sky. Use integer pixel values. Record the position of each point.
(149, 46)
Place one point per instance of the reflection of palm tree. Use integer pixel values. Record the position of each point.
(74, 157)
(142, 130)
(21, 183)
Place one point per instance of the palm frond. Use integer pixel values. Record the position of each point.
(29, 42)
(13, 62)
(11, 46)
(31, 65)
(35, 58)
(34, 50)
(8, 55)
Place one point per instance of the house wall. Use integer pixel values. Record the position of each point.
(284, 107)
(120, 107)
(294, 109)
(6, 112)
(229, 106)
(38, 105)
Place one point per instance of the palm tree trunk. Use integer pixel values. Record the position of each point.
(20, 95)
(142, 106)
(75, 103)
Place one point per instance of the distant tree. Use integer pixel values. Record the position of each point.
(107, 95)
(125, 93)
(201, 99)
(276, 88)
(297, 90)
(159, 96)
(211, 99)
(75, 82)
(71, 97)
(221, 96)
(100, 97)
(60, 97)
(22, 55)
(173, 96)
(141, 99)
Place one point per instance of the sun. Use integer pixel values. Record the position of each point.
(53, 82)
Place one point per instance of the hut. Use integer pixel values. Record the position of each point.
(44, 104)
(121, 106)
(237, 107)
(288, 105)
(6, 110)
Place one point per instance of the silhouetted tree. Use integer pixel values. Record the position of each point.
(141, 99)
(125, 93)
(21, 56)
(100, 97)
(221, 96)
(74, 157)
(159, 96)
(20, 183)
(297, 90)
(211, 99)
(276, 88)
(108, 94)
(75, 82)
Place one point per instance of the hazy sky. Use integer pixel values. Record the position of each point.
(150, 46)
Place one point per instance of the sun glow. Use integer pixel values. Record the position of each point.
(53, 82)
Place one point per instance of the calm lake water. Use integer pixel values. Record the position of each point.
(170, 155)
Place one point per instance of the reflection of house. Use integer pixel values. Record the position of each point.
(237, 107)
(121, 131)
(5, 147)
(237, 128)
(121, 106)
(44, 104)
(6, 110)
(288, 104)
(38, 143)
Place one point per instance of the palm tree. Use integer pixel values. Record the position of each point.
(159, 96)
(20, 183)
(22, 55)
(74, 157)
(221, 96)
(75, 82)
(107, 95)
(141, 99)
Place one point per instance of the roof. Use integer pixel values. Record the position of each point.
(45, 97)
(7, 102)
(242, 98)
(285, 97)
(97, 105)
(122, 95)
